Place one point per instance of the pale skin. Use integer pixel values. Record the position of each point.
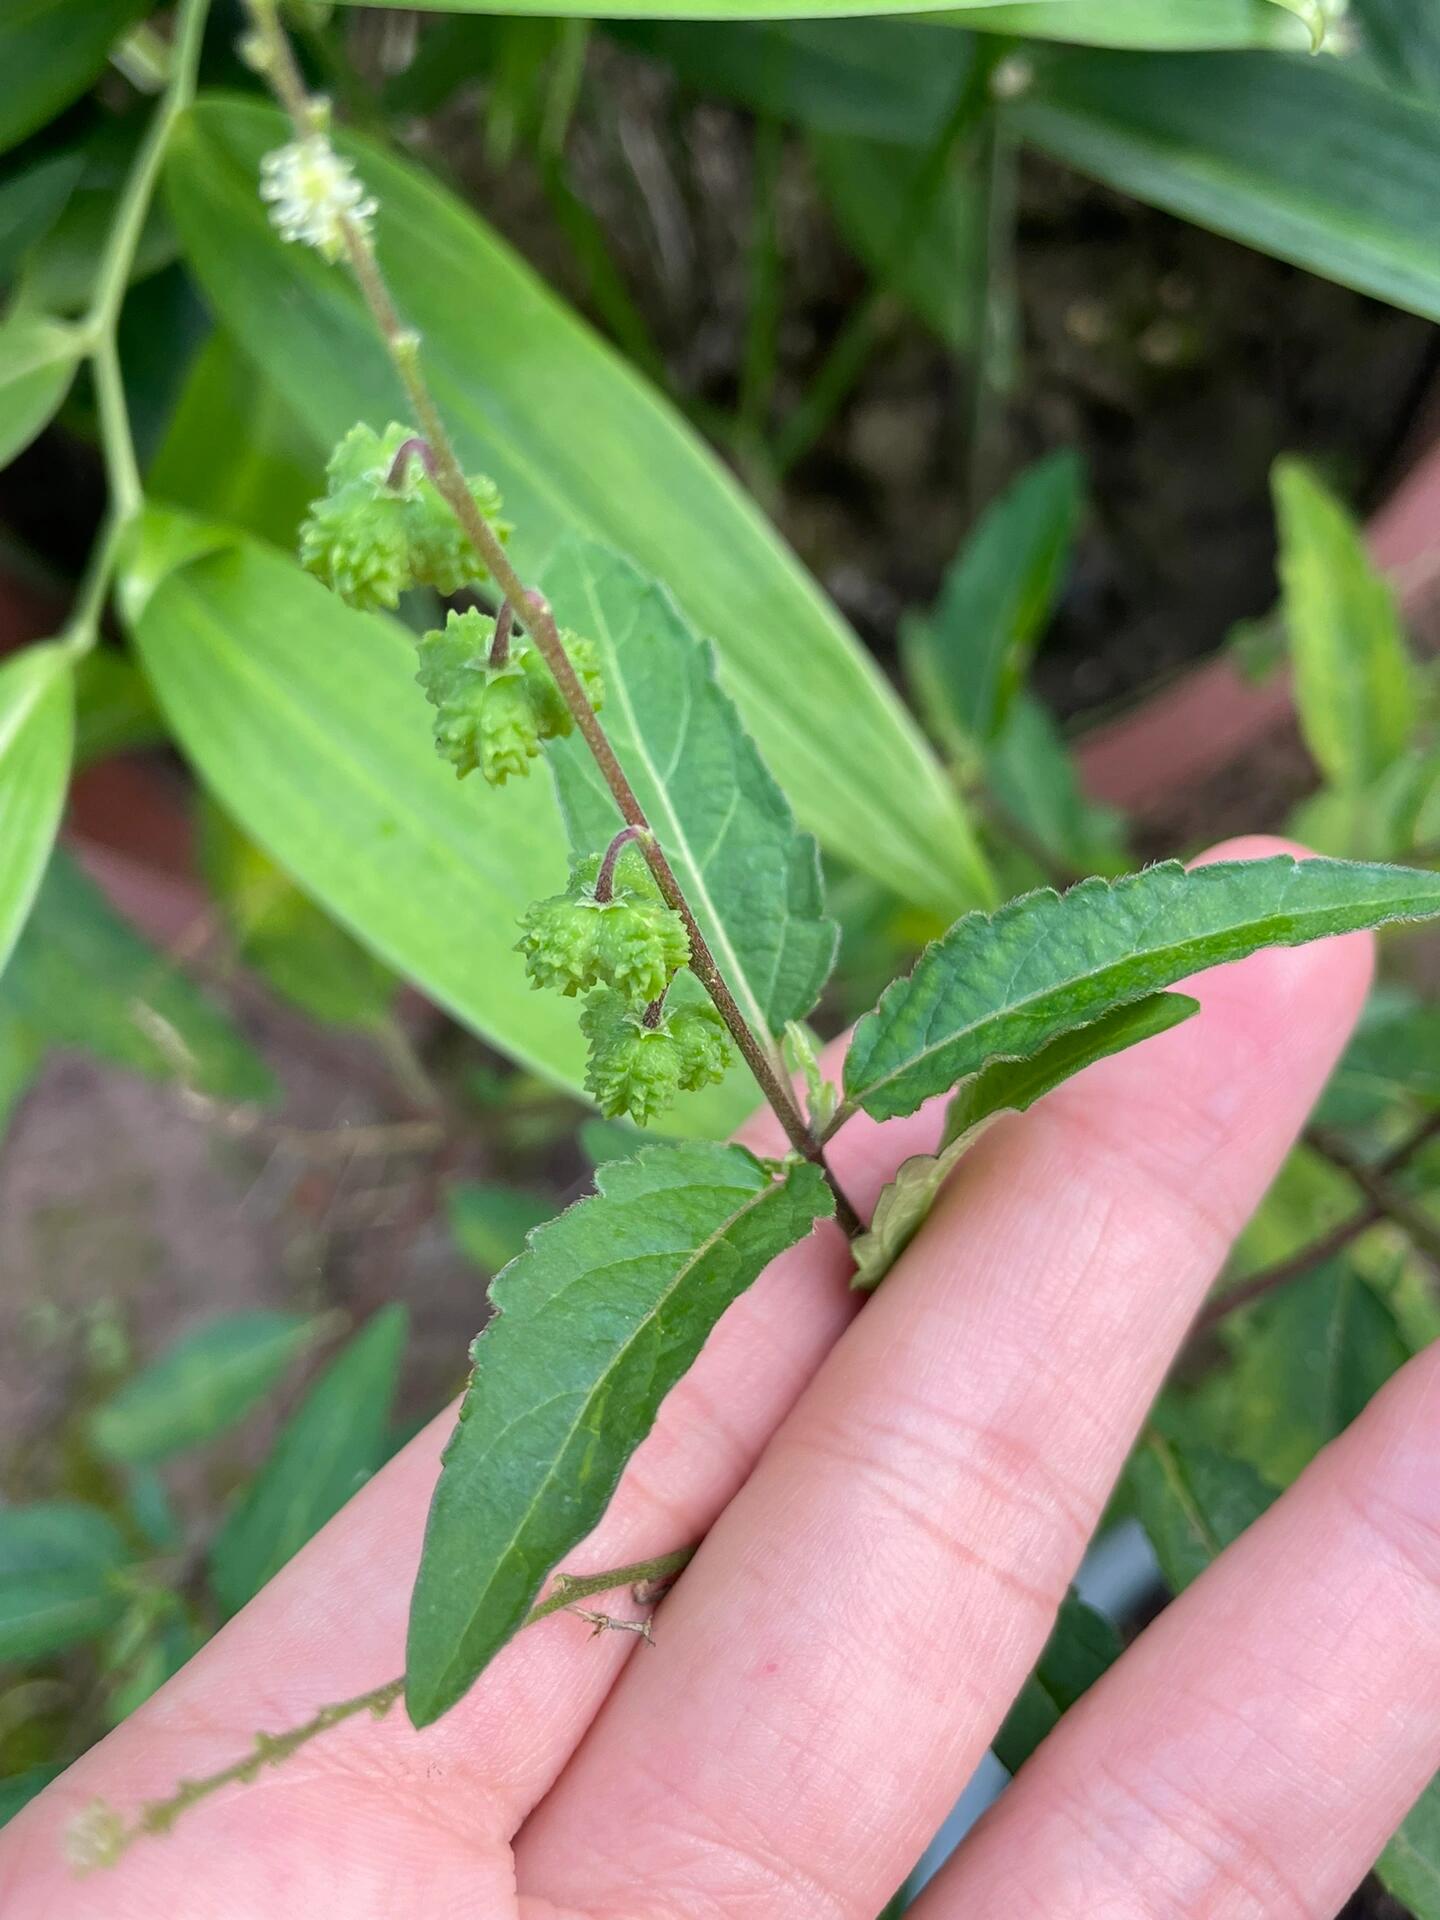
(893, 1504)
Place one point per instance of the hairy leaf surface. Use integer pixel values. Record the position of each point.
(1004, 985)
(326, 1450)
(595, 1322)
(751, 877)
(37, 727)
(1005, 1086)
(576, 441)
(1353, 684)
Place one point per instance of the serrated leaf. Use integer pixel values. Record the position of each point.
(1005, 1086)
(56, 1562)
(37, 728)
(326, 1450)
(1004, 985)
(206, 1382)
(595, 1322)
(1081, 1648)
(752, 878)
(1193, 1501)
(1353, 684)
(576, 442)
(1305, 159)
(83, 977)
(999, 594)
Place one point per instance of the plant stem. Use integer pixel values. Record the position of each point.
(1247, 1292)
(103, 316)
(156, 1817)
(403, 345)
(1374, 1182)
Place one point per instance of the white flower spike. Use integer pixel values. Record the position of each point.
(312, 192)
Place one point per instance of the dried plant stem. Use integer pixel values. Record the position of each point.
(533, 610)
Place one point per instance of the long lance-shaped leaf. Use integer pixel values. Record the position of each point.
(1301, 158)
(1002, 986)
(596, 1321)
(37, 727)
(752, 878)
(576, 441)
(1005, 1086)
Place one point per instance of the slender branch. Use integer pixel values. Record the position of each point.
(1374, 1182)
(112, 279)
(403, 345)
(1326, 1247)
(605, 879)
(100, 1835)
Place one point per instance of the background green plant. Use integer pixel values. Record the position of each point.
(343, 858)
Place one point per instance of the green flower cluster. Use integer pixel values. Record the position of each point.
(369, 538)
(493, 715)
(611, 936)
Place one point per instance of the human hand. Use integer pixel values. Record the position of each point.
(893, 1505)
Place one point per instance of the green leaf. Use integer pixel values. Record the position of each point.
(330, 1445)
(36, 735)
(1404, 37)
(60, 268)
(916, 219)
(82, 977)
(17, 1790)
(752, 879)
(595, 1322)
(1394, 1055)
(50, 51)
(576, 441)
(38, 358)
(205, 1383)
(1193, 1501)
(115, 711)
(234, 451)
(304, 719)
(1004, 985)
(21, 1052)
(1306, 1362)
(999, 594)
(1409, 1868)
(491, 1222)
(280, 932)
(32, 201)
(1150, 24)
(1304, 159)
(1004, 1086)
(893, 80)
(1353, 684)
(1083, 1645)
(1141, 22)
(57, 1559)
(1031, 776)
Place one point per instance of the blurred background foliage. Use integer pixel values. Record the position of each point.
(970, 375)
